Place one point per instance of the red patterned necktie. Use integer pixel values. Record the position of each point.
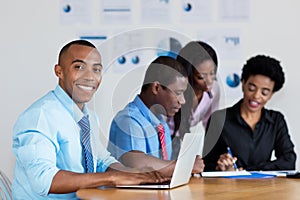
(162, 140)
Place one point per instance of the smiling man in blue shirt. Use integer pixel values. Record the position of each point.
(47, 136)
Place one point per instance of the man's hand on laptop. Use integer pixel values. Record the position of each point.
(198, 165)
(159, 175)
(132, 178)
(122, 175)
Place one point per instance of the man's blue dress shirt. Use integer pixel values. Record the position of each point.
(46, 139)
(134, 128)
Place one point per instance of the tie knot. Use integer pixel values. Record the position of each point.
(160, 128)
(84, 123)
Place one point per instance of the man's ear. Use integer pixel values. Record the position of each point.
(58, 71)
(155, 87)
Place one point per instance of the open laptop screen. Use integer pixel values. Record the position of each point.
(191, 145)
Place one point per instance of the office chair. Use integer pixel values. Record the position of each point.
(5, 187)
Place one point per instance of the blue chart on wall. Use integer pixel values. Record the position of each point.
(75, 12)
(187, 7)
(232, 80)
(129, 61)
(135, 59)
(67, 8)
(168, 46)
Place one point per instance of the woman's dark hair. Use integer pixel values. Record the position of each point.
(191, 55)
(267, 66)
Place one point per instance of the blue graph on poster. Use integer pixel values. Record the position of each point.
(187, 7)
(121, 59)
(232, 80)
(67, 8)
(134, 59)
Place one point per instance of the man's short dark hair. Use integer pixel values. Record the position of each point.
(74, 42)
(164, 70)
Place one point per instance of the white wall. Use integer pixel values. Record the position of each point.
(31, 36)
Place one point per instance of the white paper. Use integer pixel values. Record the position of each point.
(226, 41)
(234, 10)
(225, 173)
(153, 11)
(129, 52)
(97, 38)
(75, 12)
(116, 12)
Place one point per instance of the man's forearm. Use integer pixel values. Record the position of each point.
(66, 181)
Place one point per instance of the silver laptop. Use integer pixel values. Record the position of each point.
(184, 165)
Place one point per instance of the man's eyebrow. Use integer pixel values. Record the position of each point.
(77, 60)
(81, 61)
(98, 64)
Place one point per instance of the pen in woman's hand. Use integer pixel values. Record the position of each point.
(230, 153)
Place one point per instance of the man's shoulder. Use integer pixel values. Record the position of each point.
(131, 114)
(48, 100)
(130, 110)
(31, 117)
(43, 106)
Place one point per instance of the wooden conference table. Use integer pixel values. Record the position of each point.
(207, 188)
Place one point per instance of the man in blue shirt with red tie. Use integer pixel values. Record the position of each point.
(134, 139)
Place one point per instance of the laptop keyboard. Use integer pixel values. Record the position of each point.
(162, 183)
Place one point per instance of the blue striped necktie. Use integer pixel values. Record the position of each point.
(86, 144)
